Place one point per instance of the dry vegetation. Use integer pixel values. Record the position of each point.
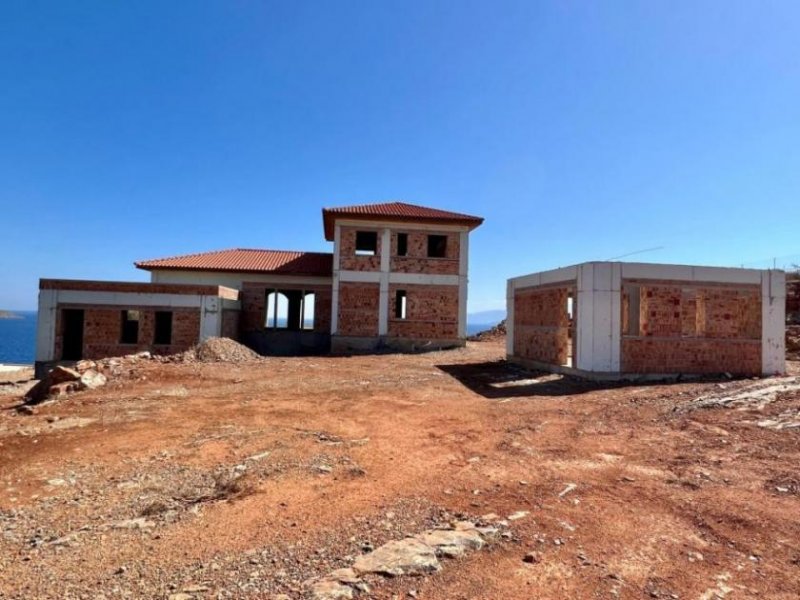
(245, 480)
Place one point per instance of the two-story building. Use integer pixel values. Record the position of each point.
(397, 278)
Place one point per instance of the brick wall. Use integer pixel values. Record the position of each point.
(102, 328)
(348, 260)
(729, 312)
(358, 309)
(685, 328)
(254, 305)
(691, 356)
(542, 324)
(431, 312)
(417, 261)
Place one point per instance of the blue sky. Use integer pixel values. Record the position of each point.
(579, 130)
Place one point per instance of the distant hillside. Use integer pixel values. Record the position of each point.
(7, 314)
(486, 317)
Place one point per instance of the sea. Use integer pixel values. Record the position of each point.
(18, 339)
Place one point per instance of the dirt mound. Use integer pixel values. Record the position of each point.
(218, 349)
(495, 333)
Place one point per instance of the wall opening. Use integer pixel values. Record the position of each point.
(402, 244)
(366, 243)
(162, 334)
(130, 327)
(400, 304)
(290, 309)
(72, 340)
(309, 301)
(437, 246)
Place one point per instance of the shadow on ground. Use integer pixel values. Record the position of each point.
(501, 379)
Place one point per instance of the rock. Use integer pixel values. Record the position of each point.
(84, 365)
(180, 596)
(26, 409)
(531, 557)
(520, 514)
(344, 576)
(91, 379)
(452, 543)
(329, 589)
(570, 487)
(400, 557)
(61, 374)
(138, 523)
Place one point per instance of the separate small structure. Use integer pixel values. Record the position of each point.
(397, 278)
(610, 320)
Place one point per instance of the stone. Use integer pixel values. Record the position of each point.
(344, 576)
(520, 514)
(531, 557)
(329, 589)
(138, 523)
(452, 543)
(61, 374)
(400, 557)
(91, 379)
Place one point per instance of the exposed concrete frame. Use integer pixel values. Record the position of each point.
(598, 295)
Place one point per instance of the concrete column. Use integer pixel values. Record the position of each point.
(383, 299)
(337, 238)
(773, 322)
(463, 283)
(46, 325)
(509, 318)
(599, 317)
(210, 317)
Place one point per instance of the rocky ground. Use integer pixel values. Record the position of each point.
(449, 475)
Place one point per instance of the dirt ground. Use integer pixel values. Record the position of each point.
(245, 480)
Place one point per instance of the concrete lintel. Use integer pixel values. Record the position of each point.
(129, 299)
(399, 225)
(690, 273)
(546, 277)
(360, 276)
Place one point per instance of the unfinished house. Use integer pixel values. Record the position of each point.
(609, 320)
(397, 278)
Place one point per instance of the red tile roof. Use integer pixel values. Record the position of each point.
(248, 261)
(395, 211)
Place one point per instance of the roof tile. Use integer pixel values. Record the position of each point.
(400, 211)
(248, 261)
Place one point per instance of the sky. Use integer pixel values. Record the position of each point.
(579, 130)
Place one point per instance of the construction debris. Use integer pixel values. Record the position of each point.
(218, 349)
(756, 396)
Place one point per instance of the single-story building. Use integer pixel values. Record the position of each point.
(611, 320)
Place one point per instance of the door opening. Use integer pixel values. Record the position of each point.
(72, 347)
